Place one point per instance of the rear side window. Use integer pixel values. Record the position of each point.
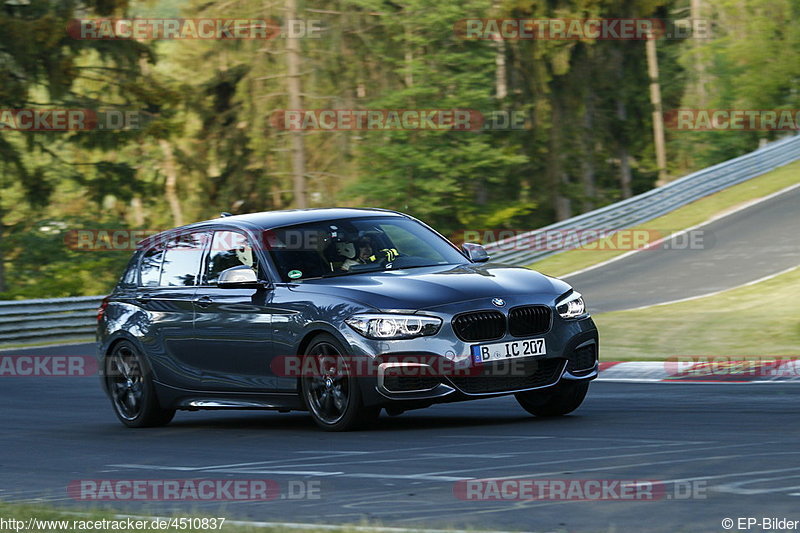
(181, 264)
(228, 249)
(128, 278)
(150, 267)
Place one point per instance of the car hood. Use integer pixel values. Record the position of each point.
(430, 287)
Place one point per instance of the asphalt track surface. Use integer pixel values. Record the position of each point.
(737, 442)
(744, 246)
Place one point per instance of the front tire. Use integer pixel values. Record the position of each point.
(556, 401)
(130, 386)
(334, 397)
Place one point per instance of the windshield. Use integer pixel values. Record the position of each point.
(351, 246)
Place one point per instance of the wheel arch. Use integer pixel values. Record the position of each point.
(312, 332)
(109, 347)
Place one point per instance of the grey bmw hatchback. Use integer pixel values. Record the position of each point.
(338, 312)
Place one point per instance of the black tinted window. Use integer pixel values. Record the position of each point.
(150, 267)
(228, 249)
(182, 260)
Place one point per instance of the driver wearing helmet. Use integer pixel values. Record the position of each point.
(362, 253)
(244, 253)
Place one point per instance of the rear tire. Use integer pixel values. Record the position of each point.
(130, 385)
(556, 401)
(334, 397)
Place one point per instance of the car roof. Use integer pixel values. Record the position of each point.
(275, 219)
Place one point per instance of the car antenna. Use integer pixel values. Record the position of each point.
(225, 214)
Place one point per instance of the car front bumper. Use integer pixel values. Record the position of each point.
(399, 377)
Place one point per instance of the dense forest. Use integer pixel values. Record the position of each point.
(206, 138)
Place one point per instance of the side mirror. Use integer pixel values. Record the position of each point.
(475, 252)
(239, 277)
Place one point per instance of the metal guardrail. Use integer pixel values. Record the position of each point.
(48, 320)
(66, 319)
(518, 250)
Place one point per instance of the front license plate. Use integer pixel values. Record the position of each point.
(484, 353)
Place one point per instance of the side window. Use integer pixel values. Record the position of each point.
(228, 249)
(128, 278)
(181, 264)
(150, 267)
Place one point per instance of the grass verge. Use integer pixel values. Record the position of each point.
(685, 217)
(757, 320)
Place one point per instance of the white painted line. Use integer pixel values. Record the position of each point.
(494, 437)
(635, 465)
(720, 216)
(420, 477)
(734, 474)
(202, 469)
(333, 452)
(670, 462)
(468, 455)
(582, 459)
(621, 456)
(690, 298)
(737, 488)
(693, 382)
(317, 473)
(632, 380)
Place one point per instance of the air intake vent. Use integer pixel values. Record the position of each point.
(582, 359)
(540, 373)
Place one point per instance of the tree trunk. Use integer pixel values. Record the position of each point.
(295, 90)
(588, 167)
(500, 73)
(556, 178)
(696, 10)
(658, 116)
(622, 154)
(137, 212)
(625, 172)
(408, 57)
(2, 259)
(170, 188)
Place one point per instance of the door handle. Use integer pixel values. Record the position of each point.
(203, 301)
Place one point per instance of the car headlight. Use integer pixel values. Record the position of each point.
(388, 326)
(572, 306)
